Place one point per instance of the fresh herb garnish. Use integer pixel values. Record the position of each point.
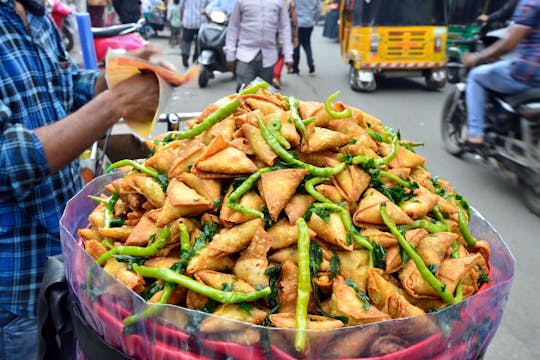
(117, 222)
(335, 265)
(360, 295)
(315, 258)
(379, 256)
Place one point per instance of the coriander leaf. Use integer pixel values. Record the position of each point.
(315, 258)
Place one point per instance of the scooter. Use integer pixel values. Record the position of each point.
(210, 42)
(123, 36)
(60, 13)
(512, 134)
(156, 18)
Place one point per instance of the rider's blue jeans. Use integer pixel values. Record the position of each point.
(18, 337)
(496, 77)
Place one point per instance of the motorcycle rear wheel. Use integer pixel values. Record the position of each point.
(453, 124)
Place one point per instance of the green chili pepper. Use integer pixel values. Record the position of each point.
(304, 285)
(107, 243)
(347, 223)
(161, 178)
(185, 245)
(309, 120)
(310, 188)
(462, 201)
(298, 123)
(459, 292)
(108, 214)
(109, 207)
(438, 215)
(411, 185)
(274, 126)
(149, 250)
(185, 242)
(335, 114)
(455, 250)
(223, 297)
(435, 283)
(217, 115)
(284, 155)
(242, 189)
(140, 167)
(369, 162)
(98, 199)
(151, 310)
(377, 136)
(431, 227)
(464, 228)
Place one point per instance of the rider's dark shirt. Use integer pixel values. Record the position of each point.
(526, 67)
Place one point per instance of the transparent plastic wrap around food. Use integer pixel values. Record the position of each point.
(463, 330)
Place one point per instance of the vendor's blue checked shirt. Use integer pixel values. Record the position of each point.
(39, 84)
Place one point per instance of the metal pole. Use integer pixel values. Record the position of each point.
(87, 40)
(85, 34)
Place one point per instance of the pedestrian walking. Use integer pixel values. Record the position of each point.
(251, 46)
(175, 22)
(192, 18)
(307, 12)
(278, 67)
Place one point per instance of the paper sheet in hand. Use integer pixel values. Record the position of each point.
(120, 66)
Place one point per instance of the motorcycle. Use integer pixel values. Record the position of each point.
(156, 18)
(210, 43)
(512, 132)
(60, 13)
(123, 36)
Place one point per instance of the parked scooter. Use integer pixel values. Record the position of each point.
(210, 42)
(60, 13)
(512, 134)
(123, 36)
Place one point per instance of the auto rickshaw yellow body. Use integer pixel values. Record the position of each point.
(373, 47)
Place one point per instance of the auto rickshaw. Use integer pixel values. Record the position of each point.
(387, 38)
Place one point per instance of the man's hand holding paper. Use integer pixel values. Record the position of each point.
(134, 69)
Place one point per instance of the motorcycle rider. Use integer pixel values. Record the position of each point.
(505, 76)
(501, 15)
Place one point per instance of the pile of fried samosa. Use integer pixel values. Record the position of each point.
(352, 285)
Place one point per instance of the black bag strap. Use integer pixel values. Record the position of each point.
(60, 323)
(55, 330)
(91, 343)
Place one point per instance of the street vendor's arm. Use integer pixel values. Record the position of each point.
(135, 98)
(64, 140)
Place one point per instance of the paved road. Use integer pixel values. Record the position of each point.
(407, 105)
